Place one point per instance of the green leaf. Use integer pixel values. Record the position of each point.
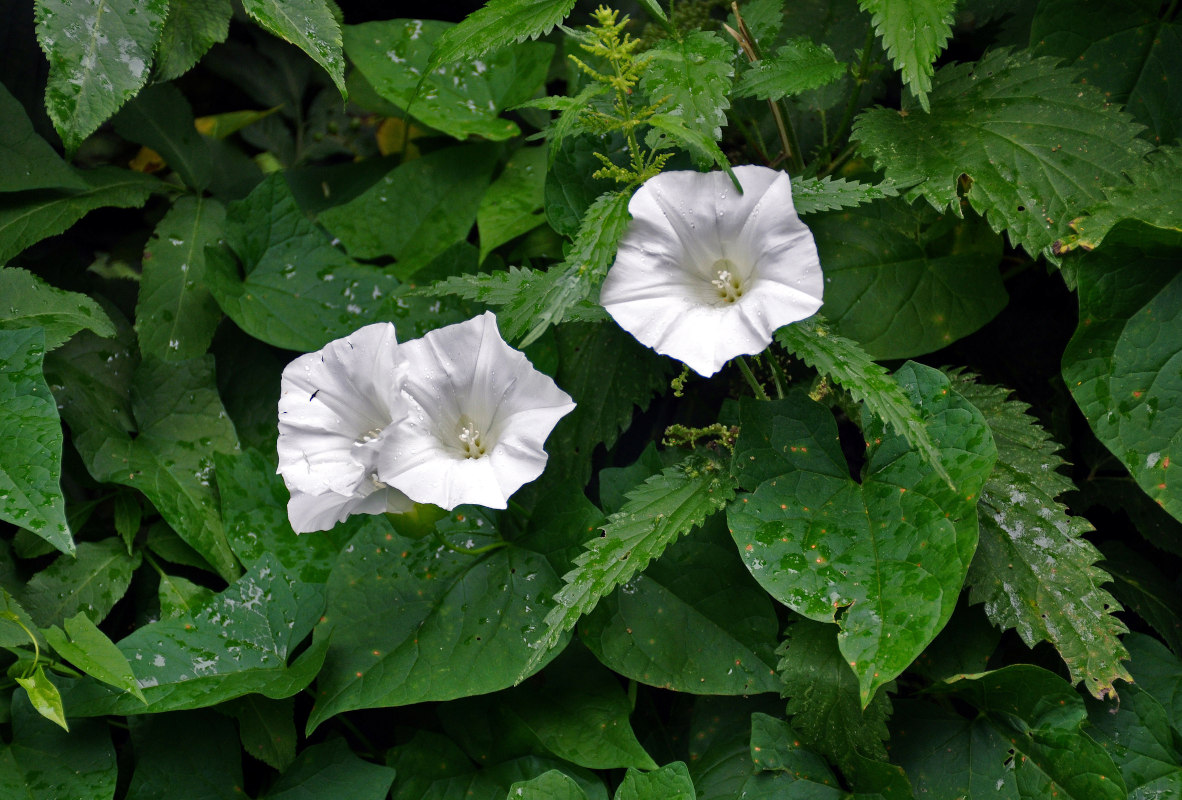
(486, 29)
(764, 19)
(1148, 195)
(1127, 50)
(1143, 589)
(1033, 569)
(902, 280)
(99, 54)
(1038, 148)
(694, 73)
(299, 292)
(44, 761)
(26, 160)
(670, 782)
(176, 315)
(514, 203)
(310, 26)
(27, 218)
(332, 770)
(1159, 672)
(31, 464)
(913, 32)
(672, 129)
(846, 363)
(190, 29)
(810, 195)
(888, 555)
(460, 99)
(266, 727)
(947, 755)
(663, 508)
(32, 302)
(552, 785)
(161, 118)
(89, 649)
(1136, 732)
(571, 187)
(1041, 717)
(17, 628)
(418, 210)
(238, 644)
(91, 581)
(1117, 365)
(798, 66)
(824, 702)
(208, 765)
(463, 626)
(44, 697)
(693, 621)
(180, 597)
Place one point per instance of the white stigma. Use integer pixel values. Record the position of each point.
(470, 440)
(728, 284)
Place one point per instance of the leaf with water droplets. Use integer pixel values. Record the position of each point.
(44, 696)
(26, 160)
(308, 24)
(32, 302)
(100, 55)
(486, 29)
(798, 66)
(30, 464)
(89, 649)
(190, 29)
(913, 33)
(90, 582)
(36, 764)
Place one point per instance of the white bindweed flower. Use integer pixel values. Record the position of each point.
(479, 416)
(704, 274)
(336, 410)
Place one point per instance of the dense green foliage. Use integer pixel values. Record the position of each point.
(926, 544)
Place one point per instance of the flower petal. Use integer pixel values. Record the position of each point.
(319, 512)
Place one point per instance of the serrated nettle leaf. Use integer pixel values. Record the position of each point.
(26, 160)
(28, 217)
(33, 766)
(190, 29)
(486, 29)
(465, 623)
(798, 66)
(310, 26)
(90, 581)
(418, 210)
(693, 621)
(161, 118)
(1037, 147)
(100, 55)
(176, 315)
(764, 19)
(663, 508)
(208, 763)
(1117, 364)
(460, 99)
(89, 649)
(238, 644)
(30, 467)
(44, 697)
(1130, 51)
(913, 33)
(844, 361)
(1041, 717)
(332, 769)
(903, 281)
(1136, 731)
(694, 73)
(812, 195)
(514, 203)
(887, 555)
(1033, 569)
(266, 727)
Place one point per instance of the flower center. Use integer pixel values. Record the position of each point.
(727, 282)
(471, 443)
(368, 437)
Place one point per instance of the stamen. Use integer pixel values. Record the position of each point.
(369, 436)
(728, 284)
(470, 441)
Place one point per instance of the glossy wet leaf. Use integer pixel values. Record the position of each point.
(670, 782)
(796, 67)
(1136, 731)
(418, 210)
(332, 769)
(26, 160)
(813, 195)
(208, 765)
(28, 217)
(176, 315)
(190, 29)
(161, 118)
(513, 204)
(888, 554)
(1037, 146)
(89, 649)
(947, 755)
(33, 303)
(461, 99)
(1158, 671)
(1033, 569)
(308, 24)
(180, 597)
(663, 508)
(1118, 363)
(44, 696)
(485, 29)
(30, 467)
(33, 767)
(266, 728)
(694, 74)
(913, 33)
(552, 785)
(100, 55)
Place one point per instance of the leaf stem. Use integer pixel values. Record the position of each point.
(760, 393)
(475, 551)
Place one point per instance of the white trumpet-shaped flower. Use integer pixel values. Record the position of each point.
(479, 415)
(704, 273)
(336, 410)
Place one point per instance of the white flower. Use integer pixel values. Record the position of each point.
(479, 416)
(704, 273)
(336, 409)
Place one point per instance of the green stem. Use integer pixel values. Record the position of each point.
(856, 94)
(474, 551)
(760, 393)
(778, 376)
